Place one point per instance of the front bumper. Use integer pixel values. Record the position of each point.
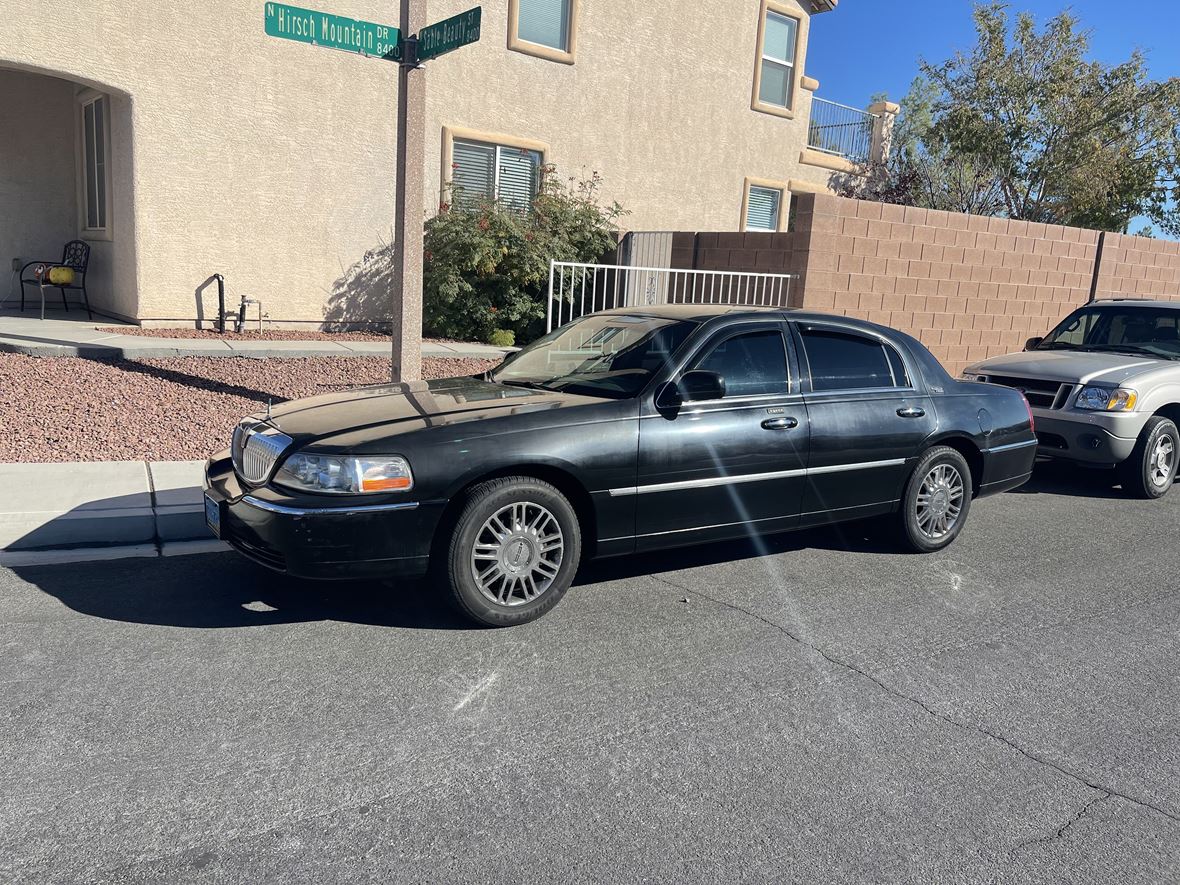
(1092, 437)
(320, 539)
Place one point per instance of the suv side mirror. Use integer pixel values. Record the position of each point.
(1033, 342)
(700, 385)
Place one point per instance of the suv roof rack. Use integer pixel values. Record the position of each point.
(1125, 298)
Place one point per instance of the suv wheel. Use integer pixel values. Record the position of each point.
(513, 551)
(1151, 469)
(937, 500)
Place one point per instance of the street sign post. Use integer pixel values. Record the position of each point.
(449, 34)
(394, 44)
(333, 31)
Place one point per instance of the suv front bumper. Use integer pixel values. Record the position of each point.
(1092, 437)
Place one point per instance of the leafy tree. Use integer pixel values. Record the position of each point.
(486, 267)
(1025, 126)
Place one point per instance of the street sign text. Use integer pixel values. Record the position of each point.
(333, 31)
(444, 36)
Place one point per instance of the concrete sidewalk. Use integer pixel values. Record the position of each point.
(71, 334)
(106, 508)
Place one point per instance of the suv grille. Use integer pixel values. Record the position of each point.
(1040, 393)
(256, 447)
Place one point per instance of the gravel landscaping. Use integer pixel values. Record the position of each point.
(181, 408)
(255, 335)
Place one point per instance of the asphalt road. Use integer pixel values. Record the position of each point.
(821, 708)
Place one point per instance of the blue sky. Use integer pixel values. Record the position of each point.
(869, 46)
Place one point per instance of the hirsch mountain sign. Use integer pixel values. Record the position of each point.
(333, 31)
(449, 34)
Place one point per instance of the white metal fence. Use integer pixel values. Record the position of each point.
(576, 289)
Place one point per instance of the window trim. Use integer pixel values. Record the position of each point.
(450, 133)
(516, 44)
(756, 103)
(84, 99)
(784, 203)
(727, 333)
(837, 329)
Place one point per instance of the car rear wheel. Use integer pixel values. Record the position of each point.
(513, 551)
(1151, 469)
(937, 500)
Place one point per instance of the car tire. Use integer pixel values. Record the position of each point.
(937, 500)
(1151, 469)
(512, 552)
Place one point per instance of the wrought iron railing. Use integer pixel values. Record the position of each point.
(841, 130)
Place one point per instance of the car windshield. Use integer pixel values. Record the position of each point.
(1149, 331)
(610, 355)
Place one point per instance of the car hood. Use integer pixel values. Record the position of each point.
(363, 414)
(1067, 366)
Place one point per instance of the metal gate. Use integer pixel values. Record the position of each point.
(576, 288)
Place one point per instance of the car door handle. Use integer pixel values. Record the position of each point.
(779, 423)
(910, 412)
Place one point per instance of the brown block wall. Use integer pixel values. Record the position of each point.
(968, 287)
(763, 253)
(1139, 268)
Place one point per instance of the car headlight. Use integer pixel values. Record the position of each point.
(343, 475)
(1104, 399)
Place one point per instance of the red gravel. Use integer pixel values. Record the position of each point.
(177, 409)
(255, 335)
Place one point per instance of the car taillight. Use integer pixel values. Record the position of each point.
(1032, 422)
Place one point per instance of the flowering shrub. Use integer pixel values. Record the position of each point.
(486, 265)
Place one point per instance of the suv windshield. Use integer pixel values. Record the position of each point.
(607, 355)
(1149, 331)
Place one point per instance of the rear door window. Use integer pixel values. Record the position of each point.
(847, 361)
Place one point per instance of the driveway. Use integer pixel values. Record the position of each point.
(816, 707)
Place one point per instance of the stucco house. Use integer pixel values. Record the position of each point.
(180, 140)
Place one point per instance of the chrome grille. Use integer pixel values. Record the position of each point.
(1040, 393)
(256, 447)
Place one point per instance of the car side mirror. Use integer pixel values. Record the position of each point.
(701, 385)
(1031, 343)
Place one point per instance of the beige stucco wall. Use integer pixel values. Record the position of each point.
(657, 101)
(38, 203)
(272, 161)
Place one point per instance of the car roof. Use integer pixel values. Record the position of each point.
(705, 312)
(1134, 302)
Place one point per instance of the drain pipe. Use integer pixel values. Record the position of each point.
(220, 303)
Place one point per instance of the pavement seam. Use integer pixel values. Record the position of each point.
(950, 720)
(153, 501)
(1061, 830)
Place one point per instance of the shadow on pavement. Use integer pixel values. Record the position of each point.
(1061, 478)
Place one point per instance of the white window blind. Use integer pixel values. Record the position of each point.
(546, 22)
(94, 161)
(762, 208)
(777, 81)
(483, 171)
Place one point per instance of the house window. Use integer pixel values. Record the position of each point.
(763, 208)
(486, 171)
(545, 28)
(95, 167)
(774, 89)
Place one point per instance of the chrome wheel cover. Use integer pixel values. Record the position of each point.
(940, 501)
(517, 554)
(1163, 461)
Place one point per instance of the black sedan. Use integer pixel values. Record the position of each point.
(624, 431)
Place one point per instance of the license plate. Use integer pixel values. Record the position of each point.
(213, 516)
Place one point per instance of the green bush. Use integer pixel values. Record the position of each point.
(502, 338)
(486, 265)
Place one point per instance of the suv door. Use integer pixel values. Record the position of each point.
(730, 466)
(870, 416)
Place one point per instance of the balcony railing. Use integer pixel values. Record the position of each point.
(841, 130)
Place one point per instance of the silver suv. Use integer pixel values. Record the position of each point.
(1104, 387)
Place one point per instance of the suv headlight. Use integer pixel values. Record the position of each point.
(343, 475)
(1105, 399)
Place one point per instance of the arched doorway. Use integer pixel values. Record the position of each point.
(65, 174)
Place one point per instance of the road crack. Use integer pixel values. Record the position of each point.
(1061, 831)
(937, 714)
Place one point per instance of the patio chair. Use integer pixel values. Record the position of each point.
(75, 256)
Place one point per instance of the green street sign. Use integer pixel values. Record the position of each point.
(333, 31)
(444, 36)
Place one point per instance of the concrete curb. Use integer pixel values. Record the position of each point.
(100, 504)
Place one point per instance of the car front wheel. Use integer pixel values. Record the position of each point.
(1151, 469)
(513, 551)
(937, 500)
